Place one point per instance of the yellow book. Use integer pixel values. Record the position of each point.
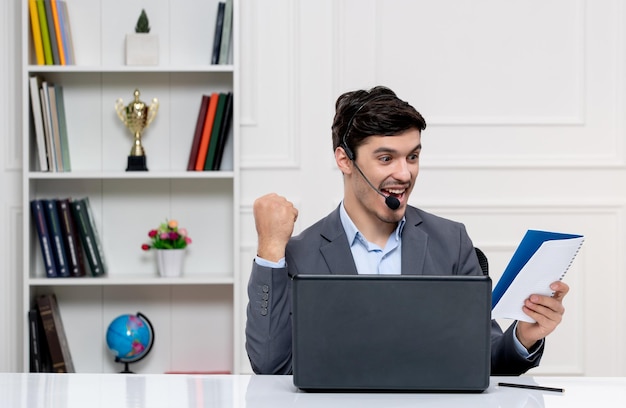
(57, 30)
(45, 35)
(36, 30)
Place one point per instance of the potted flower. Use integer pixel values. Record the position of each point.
(142, 48)
(170, 243)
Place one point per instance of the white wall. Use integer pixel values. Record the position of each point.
(525, 106)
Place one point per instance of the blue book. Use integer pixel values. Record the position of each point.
(541, 258)
(56, 237)
(39, 218)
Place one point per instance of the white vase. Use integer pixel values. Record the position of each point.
(142, 49)
(170, 262)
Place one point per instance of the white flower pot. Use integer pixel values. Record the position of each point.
(142, 49)
(170, 262)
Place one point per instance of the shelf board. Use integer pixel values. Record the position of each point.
(32, 69)
(131, 280)
(131, 175)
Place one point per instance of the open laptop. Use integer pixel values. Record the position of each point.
(391, 333)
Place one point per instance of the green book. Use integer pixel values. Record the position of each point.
(65, 148)
(81, 210)
(45, 33)
(215, 132)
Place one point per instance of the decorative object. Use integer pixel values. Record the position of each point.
(142, 48)
(137, 116)
(171, 242)
(130, 338)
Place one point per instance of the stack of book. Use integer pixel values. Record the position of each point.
(222, 40)
(212, 128)
(51, 34)
(49, 349)
(67, 235)
(48, 108)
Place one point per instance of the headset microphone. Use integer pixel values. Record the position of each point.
(391, 201)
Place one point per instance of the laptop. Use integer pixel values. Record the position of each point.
(391, 333)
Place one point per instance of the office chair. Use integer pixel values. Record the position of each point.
(482, 260)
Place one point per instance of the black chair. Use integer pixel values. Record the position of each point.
(482, 260)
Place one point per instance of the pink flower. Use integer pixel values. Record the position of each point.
(152, 233)
(145, 247)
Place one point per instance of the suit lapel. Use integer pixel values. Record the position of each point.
(336, 248)
(414, 243)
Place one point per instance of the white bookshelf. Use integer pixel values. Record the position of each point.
(194, 315)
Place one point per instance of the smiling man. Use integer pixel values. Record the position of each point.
(377, 144)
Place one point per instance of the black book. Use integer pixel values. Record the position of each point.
(217, 38)
(39, 353)
(71, 239)
(39, 219)
(56, 237)
(224, 131)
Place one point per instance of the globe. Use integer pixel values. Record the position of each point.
(130, 338)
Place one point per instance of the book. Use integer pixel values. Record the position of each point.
(54, 127)
(197, 136)
(227, 28)
(224, 131)
(45, 35)
(71, 239)
(52, 33)
(206, 132)
(47, 125)
(39, 355)
(57, 30)
(56, 237)
(65, 147)
(40, 137)
(541, 258)
(217, 37)
(81, 210)
(68, 42)
(36, 32)
(215, 131)
(55, 334)
(41, 226)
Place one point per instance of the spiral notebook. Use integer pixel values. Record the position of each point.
(541, 258)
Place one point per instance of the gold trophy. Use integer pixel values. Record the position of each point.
(137, 116)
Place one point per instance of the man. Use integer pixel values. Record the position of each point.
(377, 144)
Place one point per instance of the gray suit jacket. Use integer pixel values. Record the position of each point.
(430, 246)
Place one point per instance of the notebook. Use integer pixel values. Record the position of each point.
(391, 333)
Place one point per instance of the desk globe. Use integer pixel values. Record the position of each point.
(130, 338)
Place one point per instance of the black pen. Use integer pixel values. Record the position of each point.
(531, 387)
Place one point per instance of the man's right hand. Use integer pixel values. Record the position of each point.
(274, 218)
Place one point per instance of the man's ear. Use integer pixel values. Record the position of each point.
(342, 160)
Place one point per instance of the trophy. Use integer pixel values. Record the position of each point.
(137, 117)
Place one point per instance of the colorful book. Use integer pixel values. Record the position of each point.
(206, 132)
(68, 42)
(224, 132)
(36, 32)
(40, 137)
(55, 334)
(41, 226)
(54, 126)
(52, 33)
(45, 34)
(56, 237)
(71, 239)
(81, 210)
(215, 132)
(57, 30)
(65, 147)
(197, 136)
(227, 28)
(217, 38)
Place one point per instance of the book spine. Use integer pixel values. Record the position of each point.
(51, 32)
(41, 226)
(47, 122)
(40, 137)
(87, 237)
(206, 132)
(44, 304)
(94, 228)
(217, 38)
(71, 239)
(34, 342)
(36, 32)
(54, 122)
(224, 132)
(195, 146)
(56, 237)
(70, 58)
(45, 35)
(65, 148)
(57, 30)
(215, 132)
(226, 32)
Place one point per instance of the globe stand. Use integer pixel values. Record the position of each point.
(126, 370)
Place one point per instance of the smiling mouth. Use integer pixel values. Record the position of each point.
(393, 192)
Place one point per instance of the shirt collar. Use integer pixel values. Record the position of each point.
(352, 232)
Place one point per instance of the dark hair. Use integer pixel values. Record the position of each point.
(378, 111)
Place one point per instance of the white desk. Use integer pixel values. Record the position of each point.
(223, 391)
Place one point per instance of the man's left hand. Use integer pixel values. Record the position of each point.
(547, 312)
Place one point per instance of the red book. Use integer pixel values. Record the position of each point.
(195, 146)
(206, 132)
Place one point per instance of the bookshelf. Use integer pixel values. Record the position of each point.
(193, 315)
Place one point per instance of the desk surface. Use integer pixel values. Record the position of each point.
(244, 391)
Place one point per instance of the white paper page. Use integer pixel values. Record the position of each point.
(547, 265)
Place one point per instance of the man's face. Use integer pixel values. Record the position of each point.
(391, 163)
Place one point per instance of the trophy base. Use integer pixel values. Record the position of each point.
(136, 163)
